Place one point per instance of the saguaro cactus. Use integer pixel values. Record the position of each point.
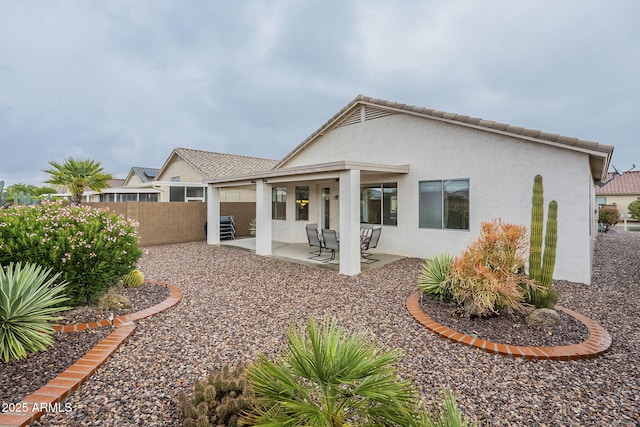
(3, 194)
(541, 266)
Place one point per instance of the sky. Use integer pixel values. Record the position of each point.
(123, 82)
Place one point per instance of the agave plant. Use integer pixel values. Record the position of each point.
(434, 279)
(330, 377)
(28, 299)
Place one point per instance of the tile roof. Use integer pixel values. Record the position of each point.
(597, 164)
(115, 182)
(145, 174)
(627, 183)
(212, 164)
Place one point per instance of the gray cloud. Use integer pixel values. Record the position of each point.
(124, 83)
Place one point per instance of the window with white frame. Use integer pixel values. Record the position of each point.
(444, 204)
(379, 203)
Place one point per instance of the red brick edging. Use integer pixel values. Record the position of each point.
(50, 397)
(597, 343)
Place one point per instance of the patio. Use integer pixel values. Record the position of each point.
(300, 253)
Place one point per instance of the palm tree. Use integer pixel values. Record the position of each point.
(76, 175)
(328, 377)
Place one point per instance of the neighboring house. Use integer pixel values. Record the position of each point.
(428, 178)
(181, 177)
(619, 190)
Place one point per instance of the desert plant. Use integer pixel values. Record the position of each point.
(252, 228)
(4, 195)
(488, 277)
(21, 198)
(28, 299)
(330, 377)
(92, 248)
(634, 209)
(446, 413)
(541, 265)
(133, 279)
(76, 175)
(609, 216)
(434, 279)
(219, 399)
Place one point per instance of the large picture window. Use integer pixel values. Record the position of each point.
(444, 204)
(302, 203)
(279, 203)
(379, 203)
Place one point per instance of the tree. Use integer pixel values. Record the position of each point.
(634, 209)
(608, 216)
(29, 189)
(76, 175)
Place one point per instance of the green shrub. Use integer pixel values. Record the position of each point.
(28, 298)
(218, 400)
(488, 278)
(252, 228)
(609, 216)
(634, 209)
(329, 377)
(434, 279)
(92, 248)
(446, 413)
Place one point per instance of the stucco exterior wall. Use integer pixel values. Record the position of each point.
(500, 170)
(179, 168)
(622, 203)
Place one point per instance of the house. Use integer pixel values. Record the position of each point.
(181, 177)
(619, 190)
(428, 178)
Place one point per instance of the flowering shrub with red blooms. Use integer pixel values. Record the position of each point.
(91, 248)
(489, 276)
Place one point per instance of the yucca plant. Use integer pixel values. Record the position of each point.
(28, 298)
(434, 278)
(330, 377)
(252, 228)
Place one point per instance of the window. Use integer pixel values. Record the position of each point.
(601, 201)
(302, 203)
(107, 197)
(279, 203)
(444, 204)
(148, 197)
(176, 194)
(379, 204)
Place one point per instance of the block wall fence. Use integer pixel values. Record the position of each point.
(176, 222)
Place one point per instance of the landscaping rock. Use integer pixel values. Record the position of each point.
(543, 318)
(111, 300)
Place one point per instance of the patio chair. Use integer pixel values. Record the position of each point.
(370, 244)
(314, 241)
(331, 243)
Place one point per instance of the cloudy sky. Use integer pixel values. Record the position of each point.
(124, 82)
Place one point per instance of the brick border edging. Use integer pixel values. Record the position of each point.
(597, 343)
(52, 395)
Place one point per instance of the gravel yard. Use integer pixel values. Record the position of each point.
(236, 304)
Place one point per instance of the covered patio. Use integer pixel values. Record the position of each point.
(301, 253)
(344, 177)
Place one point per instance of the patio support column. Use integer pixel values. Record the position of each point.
(263, 218)
(213, 215)
(350, 222)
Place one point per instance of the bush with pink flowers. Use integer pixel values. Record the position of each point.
(92, 248)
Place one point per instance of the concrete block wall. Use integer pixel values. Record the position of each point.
(176, 222)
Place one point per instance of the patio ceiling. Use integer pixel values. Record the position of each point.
(315, 172)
